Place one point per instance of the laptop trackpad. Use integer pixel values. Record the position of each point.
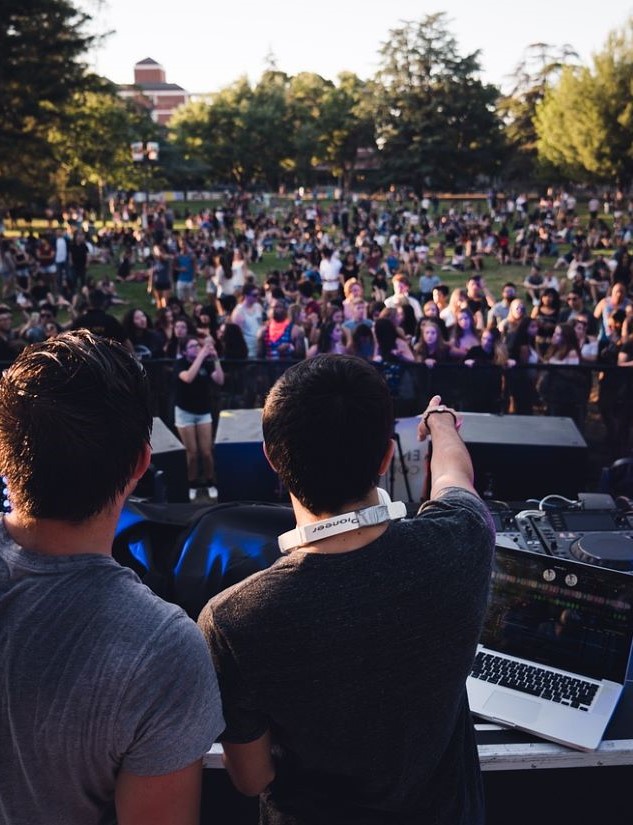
(503, 706)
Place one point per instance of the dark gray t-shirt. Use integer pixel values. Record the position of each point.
(98, 674)
(357, 663)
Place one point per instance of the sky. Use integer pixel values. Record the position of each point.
(205, 46)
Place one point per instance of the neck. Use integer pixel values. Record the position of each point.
(52, 537)
(343, 542)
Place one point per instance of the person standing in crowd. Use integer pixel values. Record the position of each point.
(186, 269)
(500, 309)
(430, 347)
(330, 274)
(10, 342)
(160, 281)
(199, 375)
(464, 334)
(99, 321)
(78, 255)
(61, 260)
(546, 312)
(249, 316)
(139, 330)
(616, 299)
(344, 694)
(614, 411)
(401, 287)
(565, 391)
(279, 337)
(107, 698)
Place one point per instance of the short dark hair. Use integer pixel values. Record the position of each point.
(75, 413)
(327, 423)
(249, 288)
(97, 299)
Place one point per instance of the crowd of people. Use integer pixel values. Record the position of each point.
(361, 280)
(335, 679)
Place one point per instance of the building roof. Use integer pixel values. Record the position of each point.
(153, 87)
(148, 61)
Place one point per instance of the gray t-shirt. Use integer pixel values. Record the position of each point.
(98, 675)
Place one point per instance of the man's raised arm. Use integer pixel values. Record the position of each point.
(451, 465)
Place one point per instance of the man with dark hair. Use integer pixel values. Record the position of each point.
(99, 321)
(10, 342)
(342, 667)
(278, 337)
(108, 700)
(499, 311)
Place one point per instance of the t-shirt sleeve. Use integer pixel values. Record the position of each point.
(457, 498)
(244, 722)
(172, 711)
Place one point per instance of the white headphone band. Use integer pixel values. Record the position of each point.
(387, 510)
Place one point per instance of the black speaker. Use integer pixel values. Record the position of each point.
(517, 457)
(167, 477)
(241, 468)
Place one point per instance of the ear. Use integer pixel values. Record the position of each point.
(268, 458)
(142, 463)
(388, 457)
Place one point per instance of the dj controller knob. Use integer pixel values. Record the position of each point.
(611, 550)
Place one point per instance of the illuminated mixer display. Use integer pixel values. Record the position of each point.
(600, 537)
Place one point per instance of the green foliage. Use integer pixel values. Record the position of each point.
(585, 123)
(436, 125)
(42, 43)
(538, 69)
(93, 146)
(426, 121)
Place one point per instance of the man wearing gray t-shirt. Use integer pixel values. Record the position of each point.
(107, 698)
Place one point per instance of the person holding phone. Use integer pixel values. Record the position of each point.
(199, 375)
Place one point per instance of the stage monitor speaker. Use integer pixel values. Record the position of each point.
(242, 471)
(169, 458)
(406, 478)
(518, 457)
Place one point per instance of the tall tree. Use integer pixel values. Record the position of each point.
(585, 123)
(539, 68)
(307, 101)
(270, 138)
(92, 150)
(436, 122)
(42, 44)
(347, 124)
(189, 135)
(228, 136)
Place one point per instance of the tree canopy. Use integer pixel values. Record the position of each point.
(42, 48)
(435, 119)
(585, 123)
(426, 120)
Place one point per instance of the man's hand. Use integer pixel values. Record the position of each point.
(436, 410)
(451, 465)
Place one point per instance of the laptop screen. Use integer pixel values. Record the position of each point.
(560, 613)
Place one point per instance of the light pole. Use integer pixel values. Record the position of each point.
(145, 153)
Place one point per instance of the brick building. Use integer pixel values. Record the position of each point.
(150, 88)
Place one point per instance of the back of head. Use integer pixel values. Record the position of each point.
(74, 416)
(386, 335)
(327, 424)
(97, 299)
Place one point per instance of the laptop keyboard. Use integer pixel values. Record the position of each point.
(557, 687)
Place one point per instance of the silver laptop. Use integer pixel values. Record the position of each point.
(556, 642)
